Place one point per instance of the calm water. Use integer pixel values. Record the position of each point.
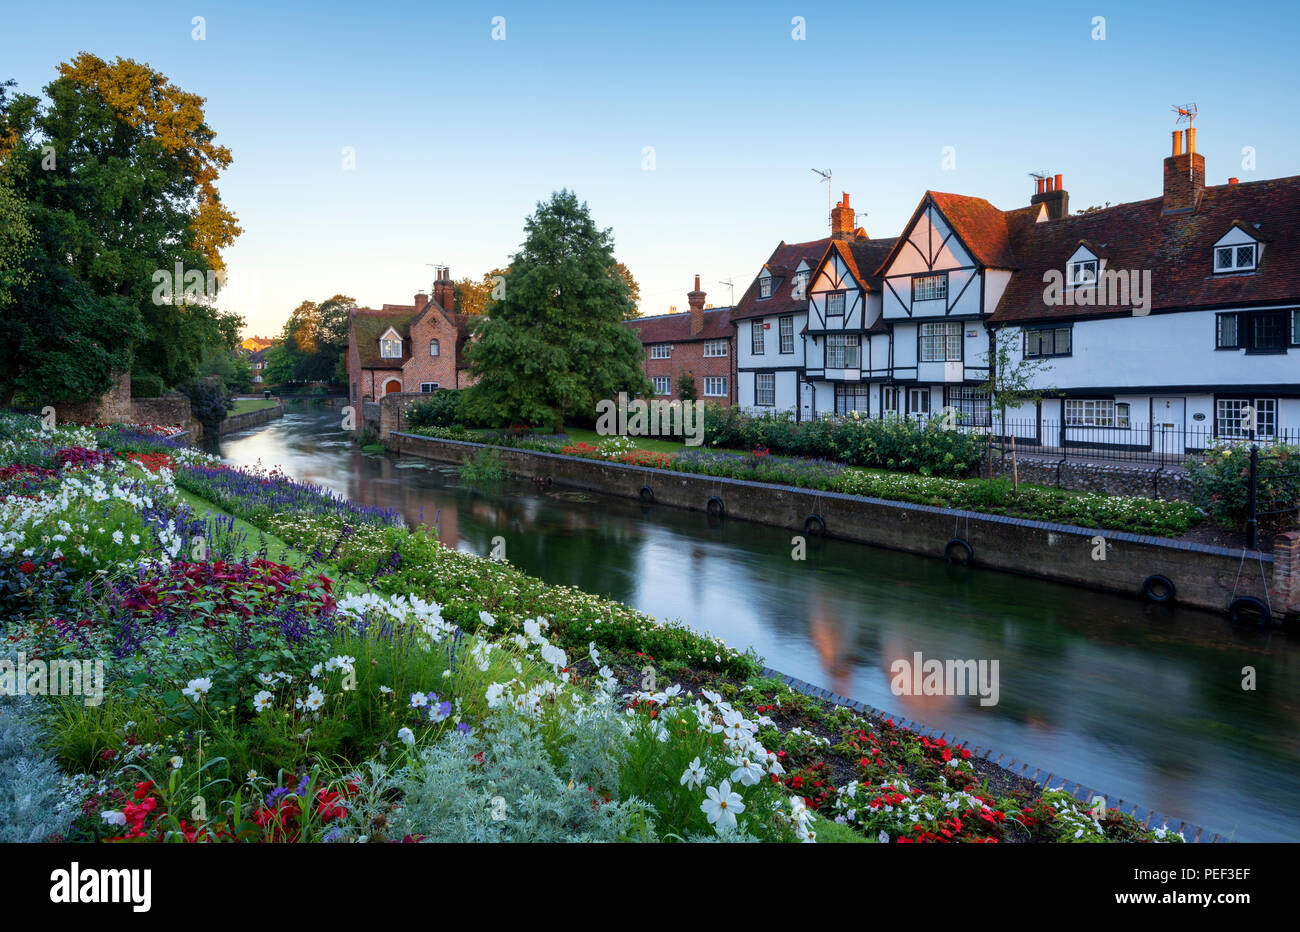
(1142, 702)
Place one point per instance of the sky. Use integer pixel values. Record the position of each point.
(690, 129)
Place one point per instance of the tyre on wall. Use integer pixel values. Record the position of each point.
(647, 495)
(959, 552)
(1248, 610)
(714, 507)
(1158, 589)
(814, 526)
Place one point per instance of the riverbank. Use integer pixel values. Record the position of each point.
(249, 412)
(1201, 575)
(661, 725)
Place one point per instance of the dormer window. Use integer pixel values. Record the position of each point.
(1083, 272)
(801, 284)
(765, 286)
(1240, 258)
(390, 345)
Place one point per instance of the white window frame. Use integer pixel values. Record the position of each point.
(756, 341)
(765, 387)
(1097, 412)
(435, 348)
(930, 287)
(852, 396)
(715, 386)
(1235, 253)
(661, 350)
(971, 406)
(941, 341)
(428, 387)
(836, 302)
(765, 287)
(799, 289)
(663, 384)
(1083, 273)
(390, 348)
(1229, 413)
(843, 351)
(785, 330)
(715, 348)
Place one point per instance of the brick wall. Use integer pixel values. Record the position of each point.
(689, 357)
(422, 367)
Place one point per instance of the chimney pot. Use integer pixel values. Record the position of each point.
(1191, 140)
(1178, 142)
(1232, 181)
(1059, 186)
(1040, 186)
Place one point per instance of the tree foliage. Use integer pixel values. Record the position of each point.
(556, 343)
(115, 179)
(474, 297)
(313, 344)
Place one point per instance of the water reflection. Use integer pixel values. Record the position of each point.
(1141, 701)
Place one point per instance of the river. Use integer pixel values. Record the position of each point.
(1143, 702)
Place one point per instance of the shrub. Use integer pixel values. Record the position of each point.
(485, 466)
(31, 806)
(1221, 481)
(442, 408)
(210, 401)
(146, 385)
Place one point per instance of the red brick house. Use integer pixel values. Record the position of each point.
(415, 347)
(700, 341)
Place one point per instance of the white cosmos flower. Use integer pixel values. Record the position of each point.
(176, 762)
(722, 806)
(196, 689)
(113, 817)
(748, 771)
(263, 701)
(694, 776)
(406, 736)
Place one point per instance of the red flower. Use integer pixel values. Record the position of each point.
(28, 567)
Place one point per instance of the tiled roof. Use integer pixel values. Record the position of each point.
(368, 325)
(1177, 249)
(784, 261)
(676, 328)
(863, 257)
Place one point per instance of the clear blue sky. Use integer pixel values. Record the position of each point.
(458, 136)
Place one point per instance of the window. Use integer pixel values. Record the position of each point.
(971, 407)
(1051, 341)
(851, 398)
(889, 398)
(835, 304)
(842, 351)
(941, 342)
(354, 391)
(1095, 412)
(390, 349)
(765, 286)
(800, 285)
(434, 348)
(1258, 331)
(786, 325)
(930, 287)
(663, 385)
(1226, 332)
(427, 387)
(1234, 258)
(661, 350)
(715, 386)
(1236, 417)
(1083, 272)
(765, 389)
(756, 337)
(715, 348)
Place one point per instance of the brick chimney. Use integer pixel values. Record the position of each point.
(696, 300)
(1184, 174)
(421, 299)
(1052, 193)
(444, 291)
(842, 219)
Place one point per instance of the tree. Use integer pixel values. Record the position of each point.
(474, 297)
(313, 343)
(555, 344)
(118, 172)
(632, 287)
(686, 386)
(1012, 380)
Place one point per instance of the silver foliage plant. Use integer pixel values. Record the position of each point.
(32, 808)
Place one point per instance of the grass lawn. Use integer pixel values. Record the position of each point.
(244, 405)
(276, 549)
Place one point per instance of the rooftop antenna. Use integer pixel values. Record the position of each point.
(732, 286)
(1186, 114)
(826, 177)
(437, 273)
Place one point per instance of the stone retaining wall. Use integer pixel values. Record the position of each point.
(251, 418)
(1081, 475)
(1205, 577)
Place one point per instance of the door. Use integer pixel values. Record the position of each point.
(918, 401)
(392, 385)
(808, 410)
(1167, 426)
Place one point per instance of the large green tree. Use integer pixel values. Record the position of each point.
(555, 343)
(116, 176)
(313, 344)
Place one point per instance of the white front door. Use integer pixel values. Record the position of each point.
(807, 405)
(1167, 425)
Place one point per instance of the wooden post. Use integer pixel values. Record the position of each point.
(1015, 470)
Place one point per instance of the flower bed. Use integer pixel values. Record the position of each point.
(389, 689)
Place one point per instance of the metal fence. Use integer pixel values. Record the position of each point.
(1140, 443)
